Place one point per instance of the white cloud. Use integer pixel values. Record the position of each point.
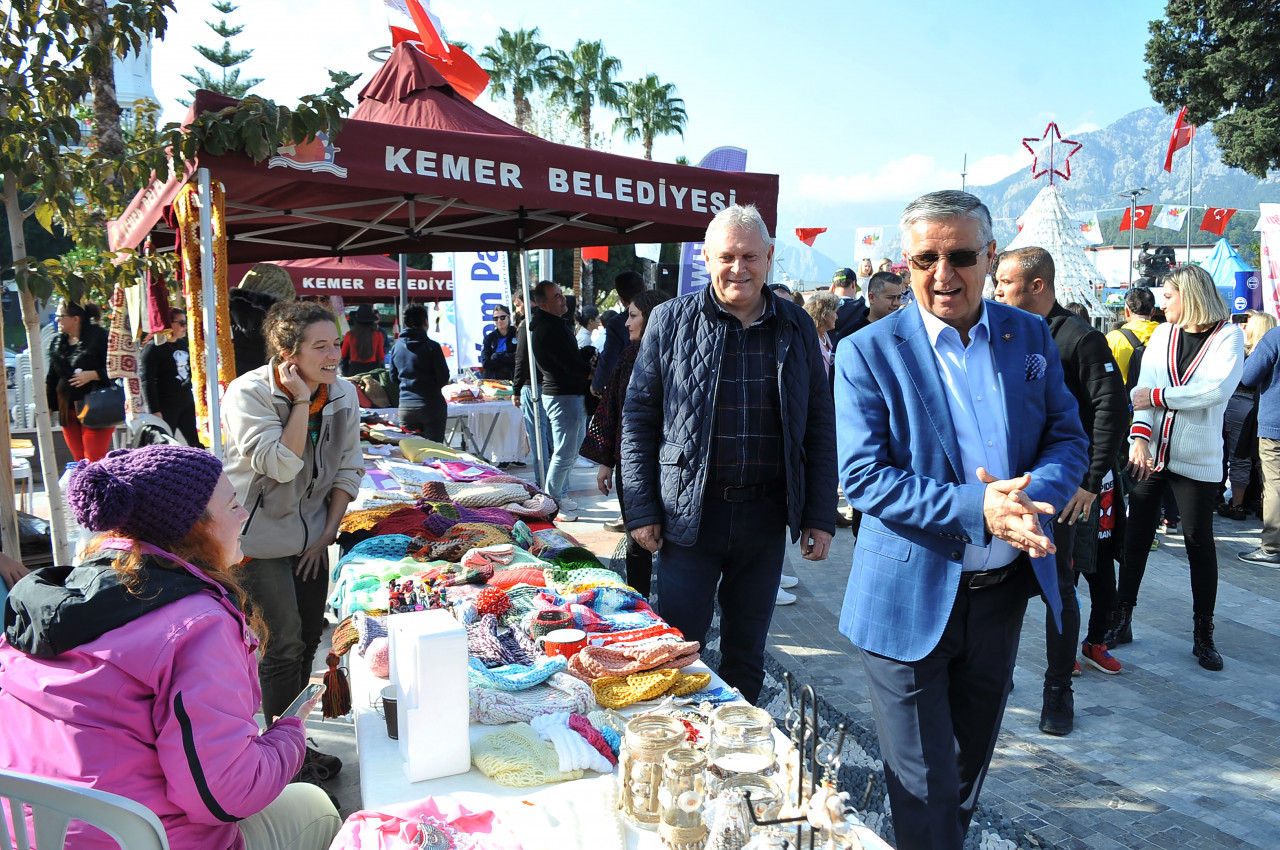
(994, 168)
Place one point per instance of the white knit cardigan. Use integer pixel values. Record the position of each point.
(1184, 426)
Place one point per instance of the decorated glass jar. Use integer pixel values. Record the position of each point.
(683, 794)
(741, 741)
(640, 768)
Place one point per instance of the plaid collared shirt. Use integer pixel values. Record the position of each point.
(746, 437)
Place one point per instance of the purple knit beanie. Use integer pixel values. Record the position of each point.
(155, 493)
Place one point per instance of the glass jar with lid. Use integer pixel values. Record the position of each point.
(682, 797)
(640, 767)
(741, 741)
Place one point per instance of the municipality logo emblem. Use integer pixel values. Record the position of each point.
(315, 155)
(871, 239)
(1252, 282)
(1242, 303)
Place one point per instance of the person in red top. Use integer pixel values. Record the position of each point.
(363, 347)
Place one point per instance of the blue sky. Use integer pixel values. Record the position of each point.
(858, 106)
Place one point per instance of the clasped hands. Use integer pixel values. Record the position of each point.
(1011, 515)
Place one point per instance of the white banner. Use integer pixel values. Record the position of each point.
(868, 247)
(480, 283)
(1090, 230)
(1171, 217)
(1269, 227)
(648, 250)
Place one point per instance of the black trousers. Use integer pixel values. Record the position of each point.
(1195, 501)
(1060, 646)
(1102, 590)
(427, 421)
(639, 559)
(938, 718)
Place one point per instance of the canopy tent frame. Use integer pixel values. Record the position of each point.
(363, 192)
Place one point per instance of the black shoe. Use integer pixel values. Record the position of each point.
(326, 766)
(843, 520)
(1236, 512)
(1167, 527)
(1260, 557)
(1203, 647)
(1121, 630)
(1057, 716)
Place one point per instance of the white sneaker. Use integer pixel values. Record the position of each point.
(567, 504)
(788, 582)
(785, 598)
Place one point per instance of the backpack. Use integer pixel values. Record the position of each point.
(1135, 361)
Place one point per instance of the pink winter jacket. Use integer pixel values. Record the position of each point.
(159, 710)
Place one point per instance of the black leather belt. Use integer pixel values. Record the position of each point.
(754, 493)
(990, 578)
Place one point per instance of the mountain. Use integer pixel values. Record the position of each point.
(801, 263)
(1129, 154)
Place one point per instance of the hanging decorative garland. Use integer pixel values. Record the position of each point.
(186, 209)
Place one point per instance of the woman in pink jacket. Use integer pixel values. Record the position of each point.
(135, 672)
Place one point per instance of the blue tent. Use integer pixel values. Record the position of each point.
(1222, 265)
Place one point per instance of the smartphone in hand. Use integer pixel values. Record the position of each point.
(305, 701)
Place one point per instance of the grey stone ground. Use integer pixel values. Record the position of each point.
(1165, 755)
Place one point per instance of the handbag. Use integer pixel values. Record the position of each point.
(102, 408)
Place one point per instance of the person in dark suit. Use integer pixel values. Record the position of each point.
(955, 435)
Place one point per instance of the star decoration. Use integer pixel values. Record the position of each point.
(1052, 154)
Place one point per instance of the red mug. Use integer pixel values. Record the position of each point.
(563, 642)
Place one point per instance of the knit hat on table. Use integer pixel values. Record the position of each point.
(155, 493)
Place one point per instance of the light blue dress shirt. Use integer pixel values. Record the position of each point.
(977, 414)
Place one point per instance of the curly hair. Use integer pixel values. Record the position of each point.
(201, 548)
(287, 322)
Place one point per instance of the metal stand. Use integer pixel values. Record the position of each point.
(804, 730)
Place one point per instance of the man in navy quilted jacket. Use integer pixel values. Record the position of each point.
(728, 442)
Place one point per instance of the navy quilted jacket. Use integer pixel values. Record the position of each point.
(670, 408)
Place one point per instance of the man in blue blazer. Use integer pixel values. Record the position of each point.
(955, 435)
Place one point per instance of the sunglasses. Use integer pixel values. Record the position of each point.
(497, 316)
(955, 259)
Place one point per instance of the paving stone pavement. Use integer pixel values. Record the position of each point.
(1165, 755)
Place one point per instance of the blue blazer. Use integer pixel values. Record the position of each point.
(900, 465)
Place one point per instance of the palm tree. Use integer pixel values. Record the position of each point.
(649, 108)
(519, 64)
(582, 77)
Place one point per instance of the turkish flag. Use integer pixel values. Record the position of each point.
(454, 64)
(808, 234)
(1182, 135)
(599, 253)
(1215, 219)
(1141, 220)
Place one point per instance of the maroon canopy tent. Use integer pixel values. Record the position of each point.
(419, 168)
(359, 280)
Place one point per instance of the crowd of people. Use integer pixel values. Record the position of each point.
(989, 451)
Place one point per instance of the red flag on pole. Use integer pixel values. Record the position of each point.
(1141, 220)
(1215, 219)
(454, 64)
(808, 234)
(1183, 133)
(599, 253)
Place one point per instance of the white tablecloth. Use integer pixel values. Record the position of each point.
(506, 442)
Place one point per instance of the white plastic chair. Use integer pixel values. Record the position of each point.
(54, 804)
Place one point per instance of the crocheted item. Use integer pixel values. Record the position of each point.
(546, 622)
(369, 626)
(420, 450)
(441, 515)
(155, 493)
(507, 579)
(365, 519)
(592, 736)
(594, 662)
(612, 738)
(345, 636)
(493, 601)
(573, 750)
(493, 556)
(379, 657)
(391, 547)
(622, 691)
(406, 520)
(122, 350)
(689, 683)
(574, 581)
(513, 677)
(539, 505)
(632, 635)
(561, 692)
(577, 558)
(523, 604)
(480, 494)
(495, 650)
(523, 535)
(518, 757)
(457, 540)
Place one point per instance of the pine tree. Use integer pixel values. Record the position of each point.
(225, 58)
